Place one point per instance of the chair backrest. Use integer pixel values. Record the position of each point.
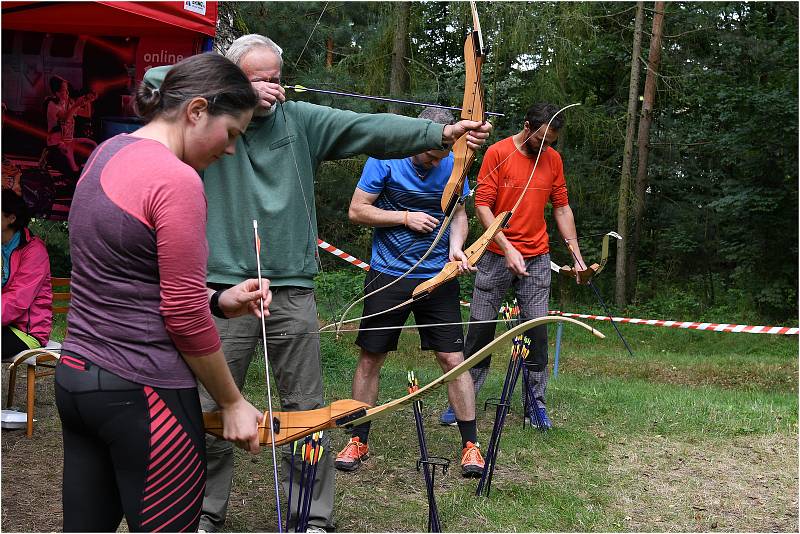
(61, 294)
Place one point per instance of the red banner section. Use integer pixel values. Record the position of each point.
(88, 58)
(126, 19)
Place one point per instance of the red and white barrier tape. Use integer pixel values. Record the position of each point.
(324, 245)
(724, 327)
(747, 329)
(342, 254)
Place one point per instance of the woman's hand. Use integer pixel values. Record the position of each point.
(244, 298)
(240, 422)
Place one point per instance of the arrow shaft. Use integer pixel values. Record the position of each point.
(378, 98)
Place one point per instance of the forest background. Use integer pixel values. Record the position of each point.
(710, 222)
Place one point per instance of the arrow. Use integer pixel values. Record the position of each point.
(303, 89)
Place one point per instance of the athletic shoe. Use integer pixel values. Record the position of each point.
(471, 460)
(353, 454)
(539, 419)
(448, 417)
(314, 528)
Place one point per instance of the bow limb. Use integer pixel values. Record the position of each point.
(466, 365)
(473, 255)
(448, 272)
(422, 258)
(472, 109)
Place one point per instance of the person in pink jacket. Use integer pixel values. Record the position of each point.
(27, 295)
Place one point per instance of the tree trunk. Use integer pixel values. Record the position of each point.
(329, 52)
(646, 119)
(398, 82)
(623, 211)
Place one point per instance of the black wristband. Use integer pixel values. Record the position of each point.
(216, 311)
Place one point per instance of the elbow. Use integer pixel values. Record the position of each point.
(562, 211)
(353, 215)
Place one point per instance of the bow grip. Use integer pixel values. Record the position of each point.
(584, 277)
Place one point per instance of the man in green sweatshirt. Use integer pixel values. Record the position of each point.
(271, 179)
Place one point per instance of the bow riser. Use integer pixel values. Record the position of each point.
(291, 426)
(585, 276)
(473, 254)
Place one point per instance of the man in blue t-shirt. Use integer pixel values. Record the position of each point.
(401, 199)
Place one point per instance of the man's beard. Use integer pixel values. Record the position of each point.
(261, 112)
(532, 148)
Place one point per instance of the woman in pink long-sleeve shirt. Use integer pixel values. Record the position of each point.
(140, 328)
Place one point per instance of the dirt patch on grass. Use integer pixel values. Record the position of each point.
(768, 377)
(744, 484)
(31, 467)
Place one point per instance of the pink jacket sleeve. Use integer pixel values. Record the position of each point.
(29, 277)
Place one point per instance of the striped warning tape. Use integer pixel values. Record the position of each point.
(716, 327)
(724, 327)
(324, 245)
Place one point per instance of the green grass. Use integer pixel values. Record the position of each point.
(626, 427)
(696, 432)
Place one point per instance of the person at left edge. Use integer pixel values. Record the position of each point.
(140, 328)
(27, 294)
(271, 178)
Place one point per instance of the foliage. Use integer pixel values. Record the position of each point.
(55, 235)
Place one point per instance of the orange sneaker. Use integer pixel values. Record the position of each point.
(353, 454)
(471, 460)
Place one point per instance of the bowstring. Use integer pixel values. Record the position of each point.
(311, 226)
(311, 35)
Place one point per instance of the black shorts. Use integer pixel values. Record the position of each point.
(441, 306)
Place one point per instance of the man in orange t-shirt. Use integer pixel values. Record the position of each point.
(519, 256)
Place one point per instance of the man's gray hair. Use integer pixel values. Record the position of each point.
(437, 115)
(246, 43)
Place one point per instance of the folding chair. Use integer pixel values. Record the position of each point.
(44, 358)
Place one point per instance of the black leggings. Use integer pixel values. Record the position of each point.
(128, 449)
(12, 344)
